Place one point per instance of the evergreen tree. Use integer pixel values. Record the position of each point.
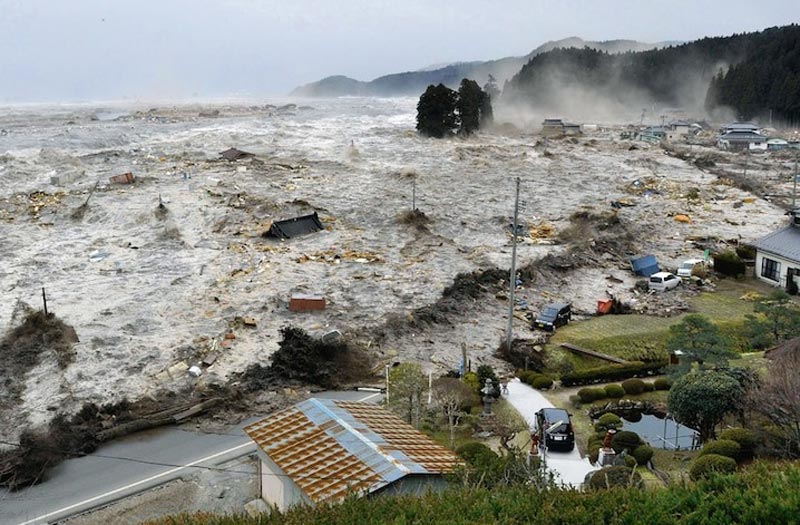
(436, 111)
(474, 107)
(491, 88)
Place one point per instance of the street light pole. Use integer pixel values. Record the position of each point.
(513, 277)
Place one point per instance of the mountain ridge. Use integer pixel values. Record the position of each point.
(413, 83)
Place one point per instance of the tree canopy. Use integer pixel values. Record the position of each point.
(700, 340)
(702, 398)
(776, 319)
(442, 111)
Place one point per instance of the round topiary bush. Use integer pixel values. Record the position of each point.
(633, 386)
(662, 383)
(476, 454)
(614, 391)
(747, 439)
(599, 393)
(608, 421)
(618, 476)
(542, 382)
(587, 395)
(625, 440)
(643, 454)
(630, 462)
(705, 465)
(649, 387)
(722, 447)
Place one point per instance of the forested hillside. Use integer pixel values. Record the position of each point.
(752, 73)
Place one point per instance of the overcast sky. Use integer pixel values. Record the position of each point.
(53, 50)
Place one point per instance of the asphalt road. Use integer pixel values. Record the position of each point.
(159, 456)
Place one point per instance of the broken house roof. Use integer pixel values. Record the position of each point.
(645, 265)
(783, 243)
(334, 448)
(288, 228)
(232, 154)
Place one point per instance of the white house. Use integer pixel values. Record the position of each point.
(323, 450)
(778, 255)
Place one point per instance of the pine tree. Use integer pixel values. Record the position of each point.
(436, 111)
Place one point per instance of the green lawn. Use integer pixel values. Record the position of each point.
(643, 337)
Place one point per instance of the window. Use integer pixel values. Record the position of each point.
(770, 269)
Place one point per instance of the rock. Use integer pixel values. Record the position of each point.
(178, 370)
(256, 508)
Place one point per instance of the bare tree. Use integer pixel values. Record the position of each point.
(777, 398)
(450, 396)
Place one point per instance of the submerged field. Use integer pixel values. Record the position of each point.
(153, 290)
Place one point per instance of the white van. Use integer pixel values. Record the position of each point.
(663, 281)
(691, 267)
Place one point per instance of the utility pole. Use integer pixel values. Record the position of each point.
(44, 300)
(414, 194)
(746, 158)
(513, 277)
(794, 185)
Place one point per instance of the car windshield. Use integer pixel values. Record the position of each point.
(687, 266)
(549, 313)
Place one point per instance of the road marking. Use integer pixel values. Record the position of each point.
(140, 482)
(368, 397)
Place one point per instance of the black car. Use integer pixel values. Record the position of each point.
(553, 315)
(554, 426)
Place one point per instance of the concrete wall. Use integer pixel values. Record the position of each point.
(785, 265)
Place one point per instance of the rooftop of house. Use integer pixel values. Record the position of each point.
(783, 243)
(334, 448)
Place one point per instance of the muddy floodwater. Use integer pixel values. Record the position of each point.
(152, 291)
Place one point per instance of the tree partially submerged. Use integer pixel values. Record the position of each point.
(442, 111)
(436, 111)
(328, 364)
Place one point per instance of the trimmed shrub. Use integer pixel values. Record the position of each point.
(476, 454)
(747, 440)
(576, 401)
(630, 462)
(643, 454)
(542, 382)
(722, 447)
(649, 387)
(615, 477)
(614, 391)
(625, 440)
(662, 383)
(587, 395)
(705, 465)
(606, 422)
(600, 393)
(633, 386)
(612, 372)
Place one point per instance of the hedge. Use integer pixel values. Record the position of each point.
(535, 379)
(747, 440)
(757, 495)
(730, 264)
(633, 386)
(704, 465)
(722, 447)
(662, 383)
(604, 374)
(542, 382)
(614, 391)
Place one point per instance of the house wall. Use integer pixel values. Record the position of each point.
(784, 269)
(277, 488)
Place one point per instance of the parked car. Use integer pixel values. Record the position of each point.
(691, 267)
(554, 427)
(663, 281)
(553, 315)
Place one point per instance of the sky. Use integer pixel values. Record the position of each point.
(92, 50)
